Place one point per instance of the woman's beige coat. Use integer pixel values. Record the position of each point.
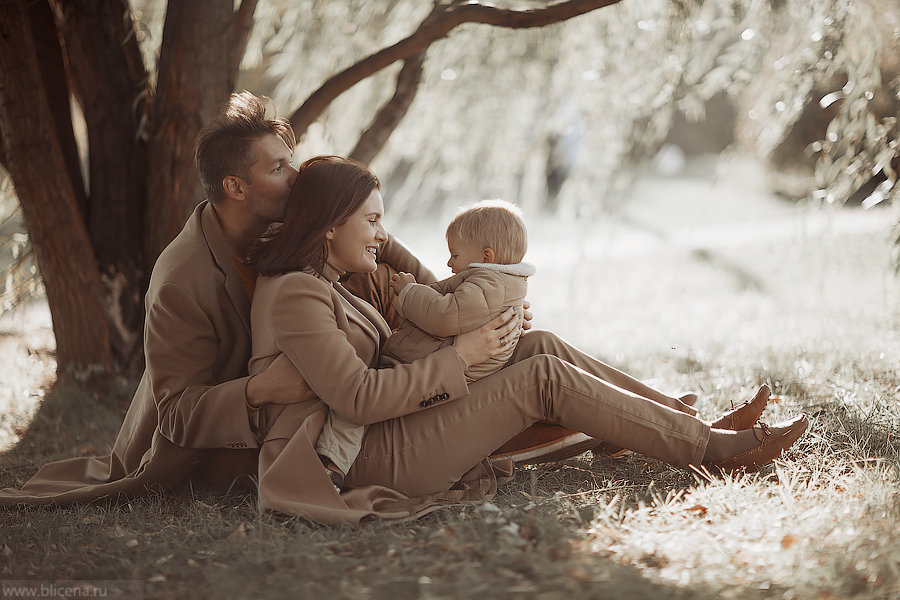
(310, 319)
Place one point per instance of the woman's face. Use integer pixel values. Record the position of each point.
(352, 245)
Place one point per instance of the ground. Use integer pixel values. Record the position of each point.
(699, 282)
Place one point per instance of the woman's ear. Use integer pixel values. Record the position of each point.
(234, 187)
(329, 235)
(487, 255)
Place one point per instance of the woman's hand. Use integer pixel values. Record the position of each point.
(489, 340)
(526, 315)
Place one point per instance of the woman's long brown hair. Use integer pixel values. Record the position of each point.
(328, 189)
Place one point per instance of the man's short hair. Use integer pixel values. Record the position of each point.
(494, 224)
(223, 146)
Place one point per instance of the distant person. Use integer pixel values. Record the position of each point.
(487, 242)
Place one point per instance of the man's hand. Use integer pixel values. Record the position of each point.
(488, 340)
(279, 383)
(401, 280)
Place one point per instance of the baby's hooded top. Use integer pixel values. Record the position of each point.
(435, 313)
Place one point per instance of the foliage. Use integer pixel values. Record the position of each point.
(495, 104)
(605, 86)
(21, 280)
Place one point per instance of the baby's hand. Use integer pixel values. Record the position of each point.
(400, 281)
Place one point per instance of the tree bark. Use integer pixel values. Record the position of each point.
(195, 78)
(436, 25)
(389, 116)
(52, 70)
(111, 82)
(49, 201)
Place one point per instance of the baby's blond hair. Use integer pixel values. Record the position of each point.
(494, 224)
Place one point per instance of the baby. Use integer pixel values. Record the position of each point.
(487, 242)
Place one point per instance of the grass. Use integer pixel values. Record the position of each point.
(818, 325)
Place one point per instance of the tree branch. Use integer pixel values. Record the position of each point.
(441, 20)
(376, 135)
(243, 25)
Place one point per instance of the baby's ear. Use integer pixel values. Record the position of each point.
(487, 255)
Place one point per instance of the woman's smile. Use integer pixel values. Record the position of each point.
(353, 245)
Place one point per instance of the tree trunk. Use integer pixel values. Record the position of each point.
(49, 201)
(195, 77)
(52, 70)
(111, 83)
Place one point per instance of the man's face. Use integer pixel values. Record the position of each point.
(270, 178)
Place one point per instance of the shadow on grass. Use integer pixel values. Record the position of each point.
(213, 546)
(72, 420)
(202, 542)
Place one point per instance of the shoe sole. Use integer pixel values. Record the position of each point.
(555, 450)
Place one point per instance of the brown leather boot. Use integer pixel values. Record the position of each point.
(773, 441)
(745, 415)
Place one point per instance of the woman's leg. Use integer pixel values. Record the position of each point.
(534, 342)
(430, 450)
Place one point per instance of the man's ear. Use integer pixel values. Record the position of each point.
(487, 255)
(234, 187)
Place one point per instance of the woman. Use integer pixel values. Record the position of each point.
(429, 433)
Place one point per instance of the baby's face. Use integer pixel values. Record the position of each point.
(462, 253)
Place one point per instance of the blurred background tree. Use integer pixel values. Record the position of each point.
(559, 118)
